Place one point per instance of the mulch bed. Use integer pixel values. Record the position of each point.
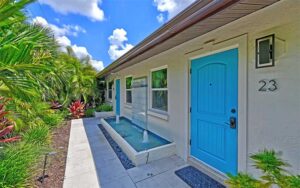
(57, 163)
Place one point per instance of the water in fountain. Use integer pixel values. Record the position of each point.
(139, 105)
(145, 137)
(117, 119)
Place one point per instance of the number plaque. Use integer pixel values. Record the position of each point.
(268, 85)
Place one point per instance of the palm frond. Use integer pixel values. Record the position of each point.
(10, 11)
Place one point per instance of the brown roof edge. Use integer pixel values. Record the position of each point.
(196, 12)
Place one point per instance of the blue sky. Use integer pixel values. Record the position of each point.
(103, 30)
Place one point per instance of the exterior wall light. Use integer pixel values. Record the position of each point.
(265, 51)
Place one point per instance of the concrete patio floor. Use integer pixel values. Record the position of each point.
(92, 163)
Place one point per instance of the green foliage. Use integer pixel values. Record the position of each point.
(64, 113)
(273, 171)
(89, 112)
(271, 165)
(128, 82)
(34, 72)
(76, 80)
(294, 181)
(26, 53)
(104, 108)
(159, 78)
(242, 181)
(37, 135)
(53, 118)
(11, 9)
(31, 66)
(16, 164)
(35, 113)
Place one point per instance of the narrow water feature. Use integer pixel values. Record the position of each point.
(133, 134)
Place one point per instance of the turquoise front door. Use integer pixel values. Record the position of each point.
(214, 103)
(117, 97)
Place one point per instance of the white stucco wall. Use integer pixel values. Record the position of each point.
(266, 120)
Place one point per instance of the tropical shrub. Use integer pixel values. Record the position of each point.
(34, 72)
(6, 125)
(76, 79)
(77, 109)
(104, 108)
(89, 112)
(29, 114)
(272, 168)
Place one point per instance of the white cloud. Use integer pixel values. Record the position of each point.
(73, 30)
(63, 41)
(118, 37)
(116, 51)
(40, 20)
(98, 65)
(170, 7)
(60, 35)
(118, 45)
(81, 52)
(88, 8)
(160, 18)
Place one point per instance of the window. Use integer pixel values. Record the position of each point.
(129, 90)
(110, 86)
(159, 89)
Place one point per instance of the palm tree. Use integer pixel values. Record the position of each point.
(26, 51)
(78, 78)
(31, 67)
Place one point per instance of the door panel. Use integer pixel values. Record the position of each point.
(118, 97)
(213, 98)
(211, 84)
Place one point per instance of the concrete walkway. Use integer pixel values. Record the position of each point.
(92, 163)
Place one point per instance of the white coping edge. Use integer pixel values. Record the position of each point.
(104, 114)
(139, 158)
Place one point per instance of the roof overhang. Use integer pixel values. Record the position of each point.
(198, 19)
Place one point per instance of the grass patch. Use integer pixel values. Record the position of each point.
(104, 108)
(89, 112)
(18, 161)
(38, 135)
(53, 119)
(16, 164)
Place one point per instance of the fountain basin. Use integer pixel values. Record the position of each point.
(130, 138)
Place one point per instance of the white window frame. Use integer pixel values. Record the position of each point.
(110, 99)
(128, 90)
(158, 89)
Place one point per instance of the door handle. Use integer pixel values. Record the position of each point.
(232, 122)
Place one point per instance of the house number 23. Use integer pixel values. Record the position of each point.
(268, 85)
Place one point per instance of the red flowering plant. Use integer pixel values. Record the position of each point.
(77, 109)
(6, 125)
